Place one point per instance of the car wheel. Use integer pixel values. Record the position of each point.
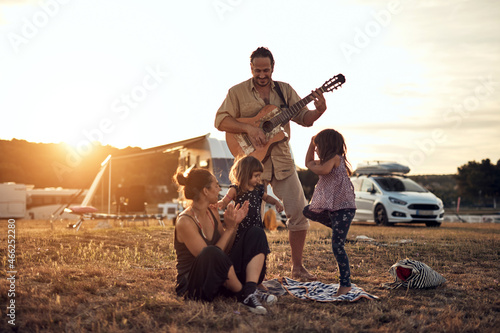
(433, 224)
(380, 215)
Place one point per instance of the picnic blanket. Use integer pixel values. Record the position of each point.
(314, 291)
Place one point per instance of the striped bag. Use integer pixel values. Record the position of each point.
(413, 274)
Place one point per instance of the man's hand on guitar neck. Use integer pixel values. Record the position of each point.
(319, 101)
(320, 104)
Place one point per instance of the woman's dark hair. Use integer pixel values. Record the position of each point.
(194, 183)
(330, 143)
(243, 169)
(262, 52)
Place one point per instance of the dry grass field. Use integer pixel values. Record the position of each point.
(121, 279)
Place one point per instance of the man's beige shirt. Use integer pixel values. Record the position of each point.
(243, 101)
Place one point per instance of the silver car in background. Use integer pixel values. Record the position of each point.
(387, 199)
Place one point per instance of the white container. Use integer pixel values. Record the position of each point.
(12, 200)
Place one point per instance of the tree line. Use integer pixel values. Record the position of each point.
(58, 165)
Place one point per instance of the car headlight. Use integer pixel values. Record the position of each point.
(397, 201)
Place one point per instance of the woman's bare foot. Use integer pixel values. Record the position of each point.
(342, 291)
(303, 275)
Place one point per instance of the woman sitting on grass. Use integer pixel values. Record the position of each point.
(204, 268)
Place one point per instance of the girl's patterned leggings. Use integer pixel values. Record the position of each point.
(339, 221)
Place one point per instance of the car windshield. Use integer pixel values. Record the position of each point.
(399, 184)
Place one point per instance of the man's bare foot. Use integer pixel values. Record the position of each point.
(342, 291)
(303, 275)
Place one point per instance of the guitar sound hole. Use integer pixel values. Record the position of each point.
(267, 126)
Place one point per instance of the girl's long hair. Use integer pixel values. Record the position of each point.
(329, 143)
(242, 171)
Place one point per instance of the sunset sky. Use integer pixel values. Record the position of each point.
(422, 77)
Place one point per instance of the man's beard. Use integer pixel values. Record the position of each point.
(267, 80)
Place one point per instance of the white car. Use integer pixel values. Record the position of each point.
(387, 199)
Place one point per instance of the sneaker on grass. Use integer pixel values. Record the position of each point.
(252, 303)
(265, 298)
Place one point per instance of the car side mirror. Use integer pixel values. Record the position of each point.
(371, 190)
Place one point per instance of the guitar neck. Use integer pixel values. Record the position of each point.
(283, 117)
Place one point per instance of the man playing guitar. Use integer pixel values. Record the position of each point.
(245, 100)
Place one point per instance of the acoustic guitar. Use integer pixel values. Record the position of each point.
(271, 119)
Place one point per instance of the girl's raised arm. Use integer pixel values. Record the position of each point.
(316, 166)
